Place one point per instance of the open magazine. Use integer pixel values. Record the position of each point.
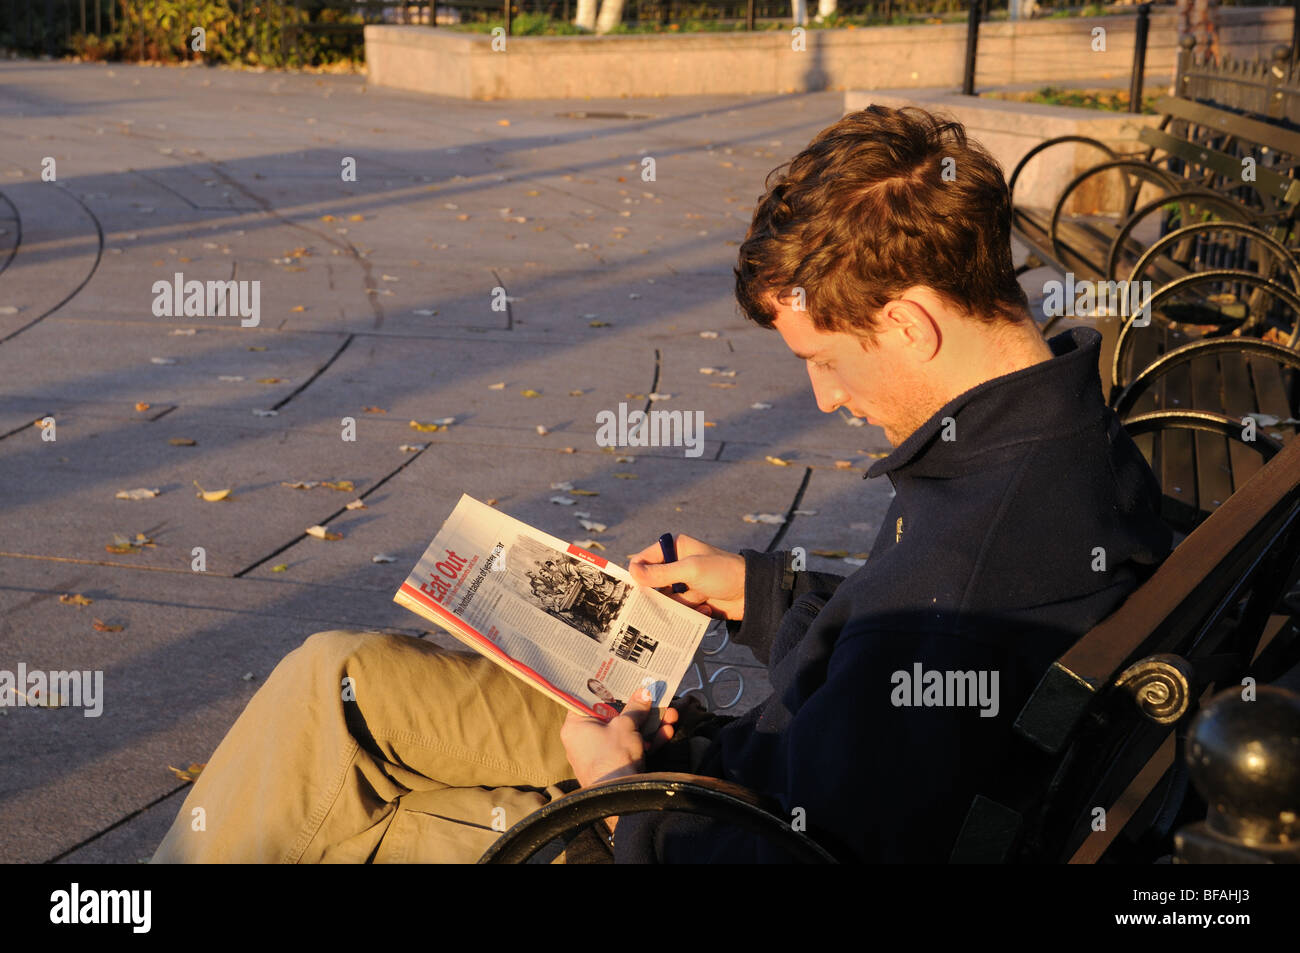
(569, 623)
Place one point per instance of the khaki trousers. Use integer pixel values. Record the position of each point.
(366, 747)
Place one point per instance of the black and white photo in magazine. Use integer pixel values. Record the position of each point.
(632, 646)
(565, 587)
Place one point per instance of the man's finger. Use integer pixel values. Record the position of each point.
(660, 575)
(651, 554)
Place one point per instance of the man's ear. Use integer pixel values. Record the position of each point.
(908, 325)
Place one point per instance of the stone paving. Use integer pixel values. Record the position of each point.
(376, 295)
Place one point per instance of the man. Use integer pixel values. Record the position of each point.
(882, 257)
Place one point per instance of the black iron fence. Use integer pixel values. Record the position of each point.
(1265, 86)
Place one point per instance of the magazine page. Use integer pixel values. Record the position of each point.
(573, 624)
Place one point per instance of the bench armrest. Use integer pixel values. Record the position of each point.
(653, 791)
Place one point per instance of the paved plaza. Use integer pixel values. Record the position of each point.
(506, 265)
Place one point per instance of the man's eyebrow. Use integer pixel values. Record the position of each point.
(806, 357)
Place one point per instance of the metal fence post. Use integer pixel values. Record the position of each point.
(1139, 58)
(972, 39)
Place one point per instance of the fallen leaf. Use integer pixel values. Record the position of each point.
(230, 378)
(763, 518)
(281, 567)
(320, 532)
(568, 450)
(503, 122)
(328, 218)
(830, 553)
(658, 396)
(141, 406)
(265, 413)
(843, 464)
(709, 334)
(777, 461)
(597, 324)
(584, 493)
(270, 380)
(383, 558)
(373, 410)
(344, 485)
(412, 447)
(499, 385)
(542, 431)
(75, 599)
(299, 485)
(425, 428)
(760, 406)
(590, 544)
(356, 218)
(529, 393)
(212, 496)
(576, 393)
(592, 526)
(253, 347)
(491, 502)
(141, 493)
(181, 442)
(563, 500)
(562, 486)
(356, 505)
(99, 625)
(805, 513)
(297, 307)
(161, 360)
(188, 774)
(626, 476)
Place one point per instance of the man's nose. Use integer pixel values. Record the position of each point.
(829, 396)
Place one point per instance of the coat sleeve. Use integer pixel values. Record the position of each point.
(766, 601)
(869, 778)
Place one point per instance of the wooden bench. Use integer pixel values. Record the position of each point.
(1187, 169)
(1103, 725)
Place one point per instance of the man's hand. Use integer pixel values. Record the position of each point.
(715, 579)
(598, 751)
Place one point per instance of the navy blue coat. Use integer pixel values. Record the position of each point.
(1000, 549)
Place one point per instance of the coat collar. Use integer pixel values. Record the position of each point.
(1040, 402)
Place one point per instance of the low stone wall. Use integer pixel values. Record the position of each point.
(452, 63)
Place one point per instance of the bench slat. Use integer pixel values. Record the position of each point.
(1238, 400)
(1267, 182)
(1252, 130)
(1213, 462)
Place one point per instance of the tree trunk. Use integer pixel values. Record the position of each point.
(799, 11)
(1200, 18)
(826, 8)
(585, 16)
(611, 15)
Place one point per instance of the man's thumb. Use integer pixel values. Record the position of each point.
(658, 575)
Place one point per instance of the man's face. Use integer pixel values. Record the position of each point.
(873, 382)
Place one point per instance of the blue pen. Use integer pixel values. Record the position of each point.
(669, 549)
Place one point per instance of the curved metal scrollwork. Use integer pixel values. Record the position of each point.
(1161, 686)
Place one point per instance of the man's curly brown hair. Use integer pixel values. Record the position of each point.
(871, 208)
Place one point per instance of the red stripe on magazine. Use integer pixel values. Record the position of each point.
(589, 557)
(489, 646)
